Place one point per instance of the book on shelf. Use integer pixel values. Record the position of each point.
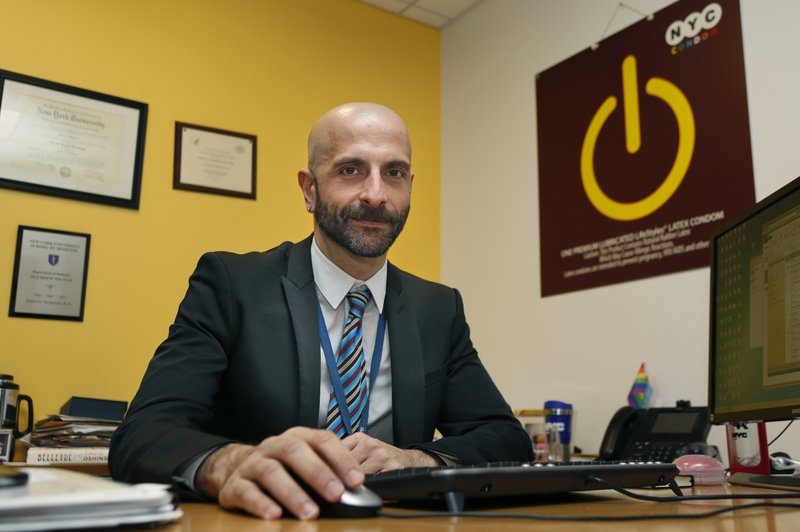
(67, 455)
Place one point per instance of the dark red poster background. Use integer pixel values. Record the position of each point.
(583, 248)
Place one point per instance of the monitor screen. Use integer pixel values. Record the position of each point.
(754, 370)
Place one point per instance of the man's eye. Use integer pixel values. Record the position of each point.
(349, 170)
(396, 173)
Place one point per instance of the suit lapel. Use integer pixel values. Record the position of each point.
(408, 374)
(301, 297)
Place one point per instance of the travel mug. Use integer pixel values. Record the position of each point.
(10, 399)
(558, 416)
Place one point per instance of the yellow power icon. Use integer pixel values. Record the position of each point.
(676, 100)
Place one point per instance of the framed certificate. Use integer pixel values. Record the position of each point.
(6, 444)
(70, 142)
(50, 270)
(215, 160)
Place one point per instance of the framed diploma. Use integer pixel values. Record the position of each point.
(6, 444)
(49, 274)
(215, 160)
(70, 142)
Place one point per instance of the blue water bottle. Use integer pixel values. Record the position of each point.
(558, 416)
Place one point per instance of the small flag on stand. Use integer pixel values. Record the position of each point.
(641, 391)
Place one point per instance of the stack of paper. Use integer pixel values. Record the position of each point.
(71, 431)
(62, 499)
(70, 440)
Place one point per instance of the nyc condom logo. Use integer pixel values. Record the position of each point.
(643, 146)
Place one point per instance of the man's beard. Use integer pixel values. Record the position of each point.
(365, 241)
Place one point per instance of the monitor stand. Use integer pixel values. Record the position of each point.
(781, 482)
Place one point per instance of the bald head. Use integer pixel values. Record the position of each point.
(347, 121)
(358, 184)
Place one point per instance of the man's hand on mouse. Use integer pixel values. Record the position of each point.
(256, 478)
(375, 455)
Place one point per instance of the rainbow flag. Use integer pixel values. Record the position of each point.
(641, 391)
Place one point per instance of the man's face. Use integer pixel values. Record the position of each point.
(363, 186)
(362, 230)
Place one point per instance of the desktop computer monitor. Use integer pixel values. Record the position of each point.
(754, 363)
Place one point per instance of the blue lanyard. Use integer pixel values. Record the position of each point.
(336, 380)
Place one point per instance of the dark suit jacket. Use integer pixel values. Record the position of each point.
(242, 362)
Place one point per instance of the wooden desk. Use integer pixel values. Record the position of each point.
(98, 470)
(210, 518)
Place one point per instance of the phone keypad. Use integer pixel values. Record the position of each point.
(649, 451)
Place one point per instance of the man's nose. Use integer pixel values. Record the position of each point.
(373, 192)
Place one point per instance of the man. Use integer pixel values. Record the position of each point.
(236, 401)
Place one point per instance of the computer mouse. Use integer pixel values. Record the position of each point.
(359, 502)
(704, 469)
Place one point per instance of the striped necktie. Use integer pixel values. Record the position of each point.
(351, 364)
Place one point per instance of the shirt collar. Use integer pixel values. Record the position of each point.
(334, 283)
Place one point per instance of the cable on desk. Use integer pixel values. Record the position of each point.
(677, 498)
(627, 493)
(640, 517)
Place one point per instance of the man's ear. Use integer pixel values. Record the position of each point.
(306, 182)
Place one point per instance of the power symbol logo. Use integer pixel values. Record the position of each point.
(676, 100)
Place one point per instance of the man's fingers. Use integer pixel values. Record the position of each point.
(263, 486)
(336, 454)
(318, 458)
(282, 473)
(375, 455)
(243, 494)
(276, 480)
(366, 452)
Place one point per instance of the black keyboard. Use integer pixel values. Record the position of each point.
(454, 484)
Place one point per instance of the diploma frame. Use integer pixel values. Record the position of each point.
(235, 171)
(65, 157)
(6, 444)
(44, 250)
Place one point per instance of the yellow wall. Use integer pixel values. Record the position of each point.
(263, 67)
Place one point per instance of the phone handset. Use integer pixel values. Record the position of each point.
(616, 434)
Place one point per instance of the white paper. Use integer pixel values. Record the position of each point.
(59, 498)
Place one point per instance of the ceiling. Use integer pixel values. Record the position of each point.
(436, 13)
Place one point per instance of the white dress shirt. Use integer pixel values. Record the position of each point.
(332, 285)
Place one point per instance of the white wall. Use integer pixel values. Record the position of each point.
(584, 347)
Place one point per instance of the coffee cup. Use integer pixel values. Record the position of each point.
(10, 401)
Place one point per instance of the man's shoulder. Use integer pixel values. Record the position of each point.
(275, 259)
(412, 282)
(434, 303)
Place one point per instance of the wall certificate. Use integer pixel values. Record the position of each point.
(49, 274)
(215, 160)
(70, 142)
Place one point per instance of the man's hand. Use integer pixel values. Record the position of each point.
(256, 479)
(375, 455)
